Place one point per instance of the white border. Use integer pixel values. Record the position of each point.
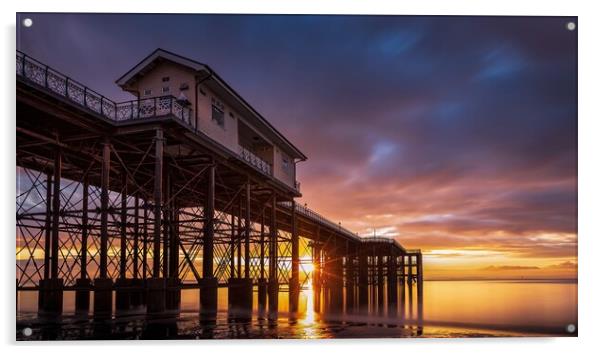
(590, 172)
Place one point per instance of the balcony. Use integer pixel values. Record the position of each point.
(53, 81)
(254, 160)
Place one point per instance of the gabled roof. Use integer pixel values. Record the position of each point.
(152, 57)
(160, 54)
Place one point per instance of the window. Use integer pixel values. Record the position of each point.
(286, 166)
(165, 89)
(183, 86)
(148, 92)
(217, 112)
(165, 79)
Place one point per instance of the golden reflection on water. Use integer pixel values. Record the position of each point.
(308, 295)
(488, 303)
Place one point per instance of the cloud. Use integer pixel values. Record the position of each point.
(564, 265)
(462, 130)
(509, 267)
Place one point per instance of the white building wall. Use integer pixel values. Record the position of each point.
(226, 135)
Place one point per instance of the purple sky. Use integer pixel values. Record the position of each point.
(445, 132)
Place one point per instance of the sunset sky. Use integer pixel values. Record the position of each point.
(456, 135)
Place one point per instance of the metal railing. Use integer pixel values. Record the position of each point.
(310, 214)
(62, 85)
(316, 217)
(40, 74)
(255, 160)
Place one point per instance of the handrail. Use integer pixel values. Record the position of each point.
(254, 160)
(307, 212)
(43, 75)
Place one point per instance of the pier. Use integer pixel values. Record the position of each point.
(128, 203)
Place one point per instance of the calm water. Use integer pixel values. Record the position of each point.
(450, 309)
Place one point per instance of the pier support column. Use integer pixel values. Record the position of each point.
(103, 286)
(123, 285)
(294, 281)
(123, 294)
(363, 287)
(273, 286)
(82, 296)
(317, 274)
(262, 285)
(145, 245)
(156, 285)
(137, 283)
(83, 284)
(50, 303)
(350, 280)
(262, 295)
(410, 265)
(209, 283)
(51, 290)
(173, 294)
(419, 279)
(420, 292)
(336, 280)
(392, 285)
(242, 305)
(402, 283)
(380, 283)
(240, 298)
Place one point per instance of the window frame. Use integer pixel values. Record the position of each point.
(215, 108)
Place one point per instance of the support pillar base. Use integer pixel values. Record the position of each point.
(173, 295)
(350, 297)
(123, 291)
(155, 296)
(362, 298)
(137, 293)
(262, 294)
(392, 298)
(336, 298)
(273, 289)
(293, 295)
(240, 297)
(103, 298)
(208, 297)
(82, 296)
(50, 297)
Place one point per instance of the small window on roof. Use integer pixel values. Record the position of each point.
(165, 79)
(148, 92)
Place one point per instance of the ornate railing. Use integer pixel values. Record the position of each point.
(62, 85)
(255, 160)
(152, 107)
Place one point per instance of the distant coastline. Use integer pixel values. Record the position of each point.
(526, 280)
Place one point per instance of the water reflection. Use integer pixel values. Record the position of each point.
(520, 307)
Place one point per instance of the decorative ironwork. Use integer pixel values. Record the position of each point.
(255, 160)
(57, 83)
